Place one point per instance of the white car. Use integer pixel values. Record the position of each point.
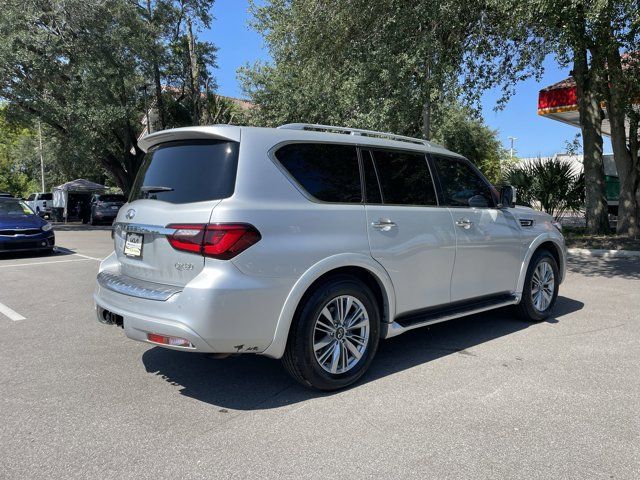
(41, 203)
(312, 243)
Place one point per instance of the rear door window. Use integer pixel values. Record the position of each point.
(45, 196)
(461, 185)
(371, 182)
(404, 178)
(327, 172)
(187, 171)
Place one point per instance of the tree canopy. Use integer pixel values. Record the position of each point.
(81, 66)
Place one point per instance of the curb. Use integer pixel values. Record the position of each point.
(600, 252)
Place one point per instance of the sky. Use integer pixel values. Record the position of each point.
(238, 44)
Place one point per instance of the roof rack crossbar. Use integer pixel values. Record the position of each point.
(354, 131)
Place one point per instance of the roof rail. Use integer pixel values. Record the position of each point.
(354, 131)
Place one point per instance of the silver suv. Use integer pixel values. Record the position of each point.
(311, 243)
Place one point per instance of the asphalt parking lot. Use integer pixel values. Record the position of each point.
(482, 397)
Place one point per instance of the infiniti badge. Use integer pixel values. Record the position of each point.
(130, 214)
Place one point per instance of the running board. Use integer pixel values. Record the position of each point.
(441, 314)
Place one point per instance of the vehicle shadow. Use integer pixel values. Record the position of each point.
(251, 382)
(58, 252)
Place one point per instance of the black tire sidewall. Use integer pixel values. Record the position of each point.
(529, 310)
(303, 341)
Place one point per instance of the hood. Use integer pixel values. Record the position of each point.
(522, 212)
(21, 221)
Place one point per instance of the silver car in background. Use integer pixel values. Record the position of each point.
(311, 243)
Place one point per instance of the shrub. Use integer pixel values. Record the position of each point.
(551, 185)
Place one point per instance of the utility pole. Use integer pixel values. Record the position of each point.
(143, 89)
(512, 139)
(41, 157)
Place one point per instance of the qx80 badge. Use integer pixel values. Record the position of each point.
(183, 267)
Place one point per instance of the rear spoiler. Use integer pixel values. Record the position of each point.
(214, 132)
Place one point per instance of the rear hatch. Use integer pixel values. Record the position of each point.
(110, 202)
(179, 184)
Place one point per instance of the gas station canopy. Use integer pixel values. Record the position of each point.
(560, 102)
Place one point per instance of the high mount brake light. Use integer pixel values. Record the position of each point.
(215, 240)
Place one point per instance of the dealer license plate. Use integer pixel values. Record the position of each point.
(133, 245)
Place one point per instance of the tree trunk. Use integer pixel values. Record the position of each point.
(159, 100)
(195, 74)
(634, 146)
(591, 125)
(616, 108)
(426, 118)
(156, 77)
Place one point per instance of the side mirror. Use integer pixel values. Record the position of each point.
(507, 196)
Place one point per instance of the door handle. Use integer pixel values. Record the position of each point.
(464, 223)
(383, 224)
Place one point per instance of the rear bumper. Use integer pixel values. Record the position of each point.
(42, 241)
(222, 310)
(105, 214)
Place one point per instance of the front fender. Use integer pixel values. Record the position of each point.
(277, 347)
(558, 241)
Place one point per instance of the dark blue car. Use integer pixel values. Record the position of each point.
(22, 230)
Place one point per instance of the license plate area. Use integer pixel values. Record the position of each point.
(133, 245)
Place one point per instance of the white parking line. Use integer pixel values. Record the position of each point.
(88, 257)
(71, 252)
(11, 314)
(46, 263)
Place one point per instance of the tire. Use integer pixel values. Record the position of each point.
(309, 328)
(534, 308)
(92, 220)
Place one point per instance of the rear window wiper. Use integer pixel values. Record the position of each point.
(155, 189)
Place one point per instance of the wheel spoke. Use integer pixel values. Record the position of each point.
(347, 308)
(335, 358)
(327, 314)
(356, 315)
(324, 328)
(352, 348)
(363, 322)
(325, 355)
(357, 339)
(322, 343)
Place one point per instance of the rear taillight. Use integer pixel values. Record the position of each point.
(216, 240)
(166, 340)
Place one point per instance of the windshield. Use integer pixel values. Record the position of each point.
(187, 171)
(14, 208)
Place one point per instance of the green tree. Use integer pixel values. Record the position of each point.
(17, 157)
(384, 65)
(462, 131)
(79, 66)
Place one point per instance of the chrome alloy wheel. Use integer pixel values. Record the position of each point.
(542, 286)
(341, 334)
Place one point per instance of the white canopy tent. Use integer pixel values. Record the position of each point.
(80, 185)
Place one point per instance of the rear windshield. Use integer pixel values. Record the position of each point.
(111, 198)
(187, 171)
